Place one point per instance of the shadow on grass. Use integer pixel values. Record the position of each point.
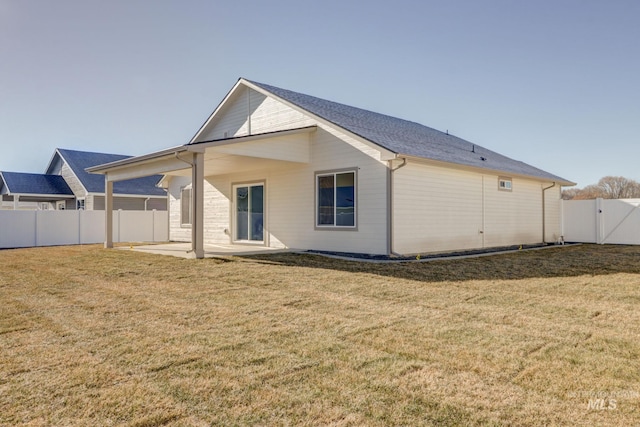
(567, 261)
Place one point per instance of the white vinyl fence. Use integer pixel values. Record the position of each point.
(19, 229)
(602, 221)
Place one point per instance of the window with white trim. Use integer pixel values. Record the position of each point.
(80, 204)
(185, 206)
(336, 199)
(504, 184)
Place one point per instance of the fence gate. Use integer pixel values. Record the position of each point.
(601, 221)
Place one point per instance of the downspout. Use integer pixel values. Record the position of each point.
(544, 222)
(390, 171)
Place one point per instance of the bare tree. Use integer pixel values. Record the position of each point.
(570, 193)
(609, 187)
(619, 187)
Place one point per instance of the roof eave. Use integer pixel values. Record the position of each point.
(43, 195)
(104, 168)
(557, 180)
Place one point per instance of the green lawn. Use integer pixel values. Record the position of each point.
(114, 337)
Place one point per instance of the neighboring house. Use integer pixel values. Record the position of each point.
(66, 185)
(282, 169)
(35, 191)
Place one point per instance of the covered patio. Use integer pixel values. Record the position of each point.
(202, 159)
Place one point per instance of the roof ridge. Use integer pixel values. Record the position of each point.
(265, 85)
(405, 137)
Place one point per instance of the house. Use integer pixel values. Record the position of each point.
(34, 191)
(282, 169)
(67, 185)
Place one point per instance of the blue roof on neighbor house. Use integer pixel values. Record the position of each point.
(407, 138)
(33, 183)
(78, 161)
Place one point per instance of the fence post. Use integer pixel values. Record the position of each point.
(599, 222)
(119, 223)
(562, 202)
(35, 243)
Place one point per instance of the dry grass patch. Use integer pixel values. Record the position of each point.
(96, 337)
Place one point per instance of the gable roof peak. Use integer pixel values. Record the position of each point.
(79, 161)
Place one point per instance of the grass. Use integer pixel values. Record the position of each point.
(111, 337)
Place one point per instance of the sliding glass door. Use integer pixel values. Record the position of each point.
(249, 213)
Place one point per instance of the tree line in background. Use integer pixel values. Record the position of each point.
(609, 187)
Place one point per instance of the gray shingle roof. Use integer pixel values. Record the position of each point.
(33, 183)
(78, 161)
(408, 138)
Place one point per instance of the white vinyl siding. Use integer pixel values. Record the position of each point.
(443, 209)
(177, 233)
(250, 112)
(436, 209)
(553, 210)
(513, 217)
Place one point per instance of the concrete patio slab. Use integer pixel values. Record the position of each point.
(183, 250)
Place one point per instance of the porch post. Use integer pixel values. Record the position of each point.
(197, 205)
(16, 202)
(108, 212)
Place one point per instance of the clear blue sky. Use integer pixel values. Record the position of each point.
(554, 83)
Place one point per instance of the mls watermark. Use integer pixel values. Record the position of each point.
(604, 400)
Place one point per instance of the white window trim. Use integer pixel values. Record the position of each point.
(81, 204)
(335, 227)
(184, 224)
(508, 183)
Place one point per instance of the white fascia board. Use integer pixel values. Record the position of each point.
(156, 163)
(246, 138)
(55, 153)
(8, 190)
(44, 196)
(385, 154)
(131, 196)
(159, 166)
(145, 158)
(481, 170)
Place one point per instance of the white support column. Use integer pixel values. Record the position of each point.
(197, 205)
(16, 202)
(108, 212)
